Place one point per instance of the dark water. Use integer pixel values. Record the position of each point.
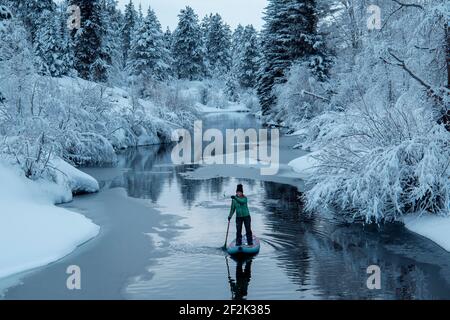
(302, 256)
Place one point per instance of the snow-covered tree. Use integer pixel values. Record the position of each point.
(382, 140)
(148, 55)
(168, 44)
(16, 66)
(91, 59)
(290, 34)
(168, 38)
(232, 87)
(48, 46)
(236, 41)
(187, 47)
(64, 39)
(217, 42)
(112, 20)
(246, 59)
(129, 23)
(30, 11)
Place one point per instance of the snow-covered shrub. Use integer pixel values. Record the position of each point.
(217, 99)
(24, 138)
(301, 98)
(232, 87)
(81, 113)
(213, 94)
(385, 163)
(382, 150)
(31, 154)
(88, 148)
(185, 95)
(250, 100)
(175, 103)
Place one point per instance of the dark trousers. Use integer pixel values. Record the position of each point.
(247, 221)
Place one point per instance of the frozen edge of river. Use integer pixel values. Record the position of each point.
(432, 227)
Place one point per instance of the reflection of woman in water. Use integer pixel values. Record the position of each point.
(239, 287)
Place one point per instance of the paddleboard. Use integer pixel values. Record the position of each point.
(233, 249)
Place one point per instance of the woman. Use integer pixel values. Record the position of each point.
(239, 205)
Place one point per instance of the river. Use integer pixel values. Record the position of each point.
(162, 228)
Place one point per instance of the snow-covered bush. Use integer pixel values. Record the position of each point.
(213, 94)
(384, 163)
(382, 150)
(31, 154)
(301, 98)
(250, 100)
(82, 122)
(209, 92)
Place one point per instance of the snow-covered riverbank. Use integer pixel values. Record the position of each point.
(33, 231)
(436, 228)
(433, 227)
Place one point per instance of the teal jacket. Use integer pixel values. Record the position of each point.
(239, 205)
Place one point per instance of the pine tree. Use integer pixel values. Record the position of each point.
(16, 64)
(232, 86)
(112, 19)
(148, 54)
(90, 59)
(205, 26)
(64, 39)
(246, 60)
(217, 41)
(30, 11)
(140, 15)
(236, 41)
(290, 34)
(129, 23)
(188, 47)
(168, 44)
(48, 47)
(168, 39)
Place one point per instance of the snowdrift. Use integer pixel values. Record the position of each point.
(33, 232)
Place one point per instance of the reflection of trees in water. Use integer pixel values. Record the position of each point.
(189, 189)
(284, 216)
(249, 184)
(334, 257)
(215, 186)
(145, 180)
(344, 255)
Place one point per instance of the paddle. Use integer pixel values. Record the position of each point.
(226, 237)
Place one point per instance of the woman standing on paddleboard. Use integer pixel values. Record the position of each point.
(239, 205)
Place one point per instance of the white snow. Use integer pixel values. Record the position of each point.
(300, 132)
(34, 232)
(436, 228)
(305, 165)
(230, 108)
(79, 182)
